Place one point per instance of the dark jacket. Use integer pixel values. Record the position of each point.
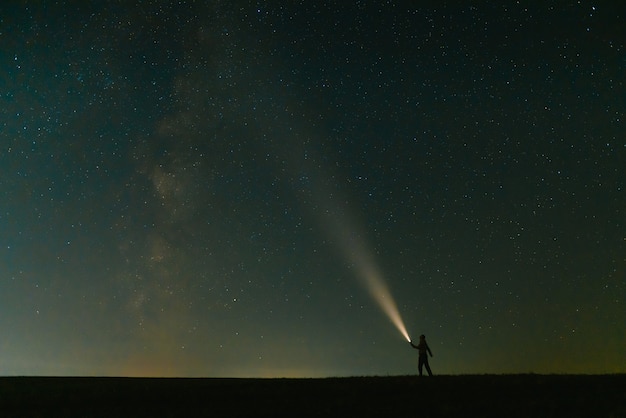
(423, 348)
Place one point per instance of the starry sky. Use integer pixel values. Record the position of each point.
(198, 188)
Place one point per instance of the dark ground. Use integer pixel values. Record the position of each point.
(407, 396)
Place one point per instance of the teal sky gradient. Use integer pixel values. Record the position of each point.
(198, 189)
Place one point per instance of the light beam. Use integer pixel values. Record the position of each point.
(379, 291)
(332, 216)
(372, 279)
(354, 248)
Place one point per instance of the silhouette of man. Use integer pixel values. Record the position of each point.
(424, 350)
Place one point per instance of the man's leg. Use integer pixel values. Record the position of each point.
(428, 368)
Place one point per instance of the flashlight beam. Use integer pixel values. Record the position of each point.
(378, 289)
(333, 216)
(368, 272)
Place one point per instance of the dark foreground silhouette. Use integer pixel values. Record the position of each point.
(424, 351)
(408, 396)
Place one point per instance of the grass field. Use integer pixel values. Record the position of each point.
(408, 396)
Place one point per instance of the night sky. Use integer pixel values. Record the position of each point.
(198, 188)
